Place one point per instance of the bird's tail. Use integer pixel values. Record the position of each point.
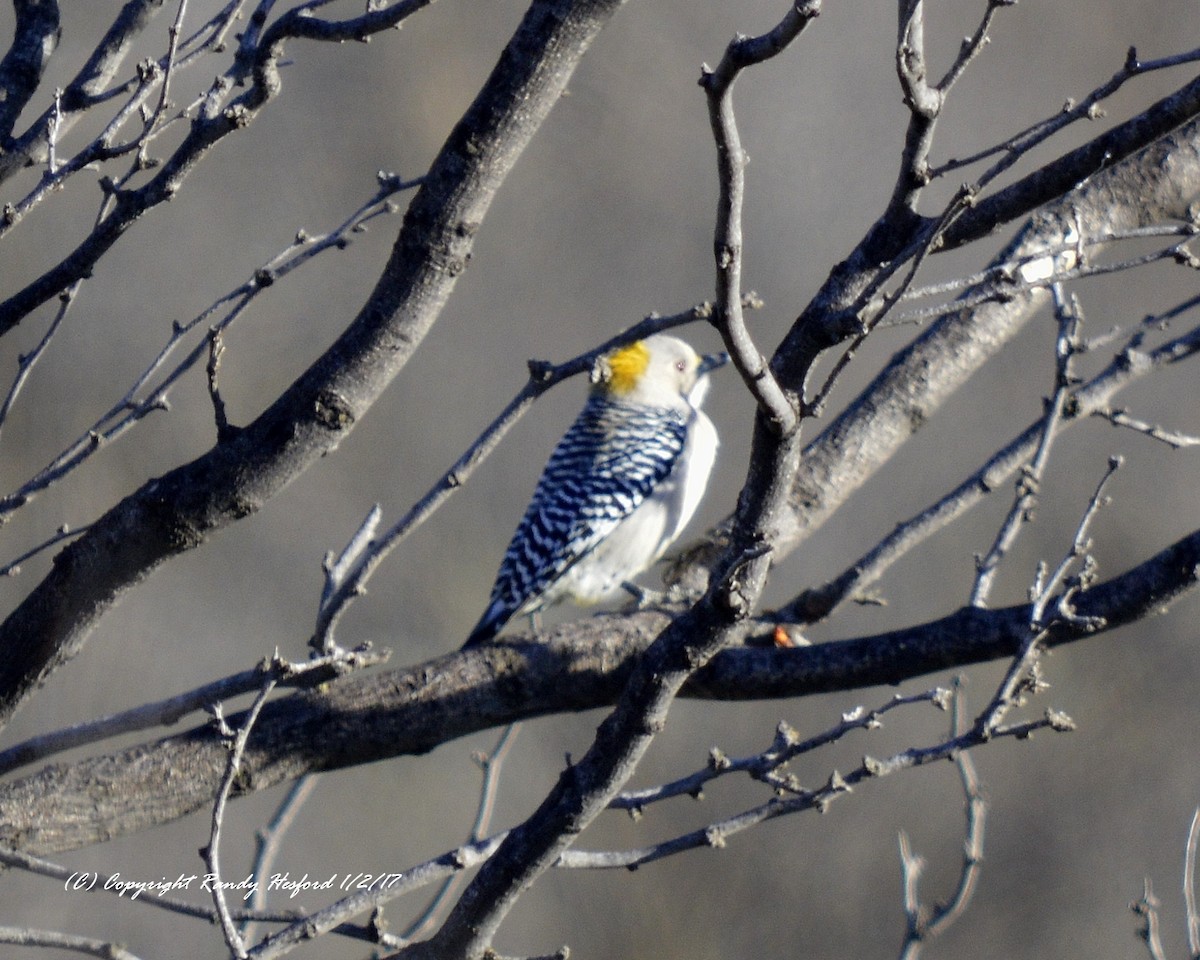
(488, 626)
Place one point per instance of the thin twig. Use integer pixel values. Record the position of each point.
(333, 916)
(145, 396)
(268, 843)
(255, 73)
(871, 309)
(1022, 675)
(273, 671)
(171, 710)
(211, 852)
(65, 532)
(972, 46)
(743, 52)
(715, 834)
(491, 765)
(766, 766)
(924, 924)
(169, 65)
(925, 99)
(100, 150)
(1172, 438)
(1088, 108)
(216, 347)
(343, 581)
(912, 865)
(1088, 399)
(1147, 908)
(1027, 274)
(212, 31)
(1189, 885)
(1029, 483)
(27, 361)
(87, 90)
(1060, 587)
(29, 937)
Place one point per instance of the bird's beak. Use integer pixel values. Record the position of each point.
(710, 362)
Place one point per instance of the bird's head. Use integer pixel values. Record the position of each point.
(657, 371)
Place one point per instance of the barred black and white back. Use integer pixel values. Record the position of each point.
(618, 489)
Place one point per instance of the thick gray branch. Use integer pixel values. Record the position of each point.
(1154, 185)
(1100, 154)
(180, 510)
(259, 66)
(581, 666)
(84, 90)
(35, 37)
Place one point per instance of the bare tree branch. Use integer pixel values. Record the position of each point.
(35, 38)
(259, 65)
(171, 710)
(65, 941)
(409, 711)
(741, 53)
(1061, 176)
(151, 390)
(1189, 885)
(926, 923)
(1146, 907)
(766, 766)
(180, 510)
(1137, 181)
(89, 87)
(715, 834)
(268, 845)
(1030, 480)
(921, 377)
(211, 852)
(1073, 111)
(1090, 399)
(491, 764)
(453, 863)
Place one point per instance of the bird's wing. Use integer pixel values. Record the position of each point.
(590, 485)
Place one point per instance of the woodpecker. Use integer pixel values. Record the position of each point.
(619, 488)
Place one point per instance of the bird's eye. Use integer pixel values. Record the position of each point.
(680, 365)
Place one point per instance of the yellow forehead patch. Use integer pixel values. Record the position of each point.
(624, 367)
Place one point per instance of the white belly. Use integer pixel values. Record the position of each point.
(644, 536)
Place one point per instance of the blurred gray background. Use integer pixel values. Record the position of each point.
(608, 217)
